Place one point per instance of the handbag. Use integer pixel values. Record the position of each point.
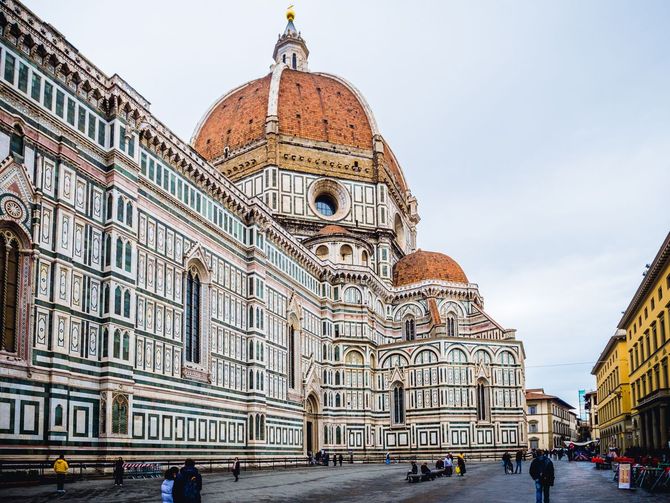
(458, 469)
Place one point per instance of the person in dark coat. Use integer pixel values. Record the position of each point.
(426, 474)
(118, 472)
(236, 469)
(542, 472)
(413, 471)
(461, 464)
(334, 459)
(340, 458)
(507, 463)
(188, 484)
(519, 459)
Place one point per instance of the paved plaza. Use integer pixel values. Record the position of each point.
(484, 482)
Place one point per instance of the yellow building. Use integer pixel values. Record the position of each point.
(613, 394)
(645, 322)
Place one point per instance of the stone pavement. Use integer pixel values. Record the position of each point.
(484, 482)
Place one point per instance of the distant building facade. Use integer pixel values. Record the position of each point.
(591, 405)
(613, 394)
(550, 420)
(257, 292)
(644, 326)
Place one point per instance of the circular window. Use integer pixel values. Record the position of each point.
(329, 199)
(326, 205)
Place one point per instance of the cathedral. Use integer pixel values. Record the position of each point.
(256, 292)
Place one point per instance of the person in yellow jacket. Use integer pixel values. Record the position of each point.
(61, 467)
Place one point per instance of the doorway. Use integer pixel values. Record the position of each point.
(311, 441)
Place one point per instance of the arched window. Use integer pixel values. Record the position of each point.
(425, 356)
(126, 303)
(338, 403)
(337, 377)
(337, 353)
(409, 328)
(119, 253)
(110, 206)
(105, 343)
(117, 300)
(58, 415)
(263, 427)
(283, 58)
(364, 258)
(192, 335)
(117, 344)
(250, 427)
(325, 434)
(251, 379)
(506, 358)
(105, 299)
(103, 414)
(325, 399)
(294, 61)
(258, 426)
(352, 295)
(482, 401)
(9, 290)
(322, 252)
(108, 250)
(452, 326)
(394, 361)
(291, 357)
(129, 256)
(354, 358)
(456, 356)
(16, 143)
(120, 205)
(251, 349)
(126, 346)
(338, 435)
(347, 254)
(482, 356)
(120, 415)
(398, 405)
(129, 214)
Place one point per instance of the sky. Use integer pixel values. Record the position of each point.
(534, 134)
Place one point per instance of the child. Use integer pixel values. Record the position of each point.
(166, 486)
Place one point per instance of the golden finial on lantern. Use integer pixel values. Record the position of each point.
(290, 13)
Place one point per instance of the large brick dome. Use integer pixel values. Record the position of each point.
(424, 265)
(313, 106)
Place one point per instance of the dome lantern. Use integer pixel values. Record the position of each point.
(291, 48)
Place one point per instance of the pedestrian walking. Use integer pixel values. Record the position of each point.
(118, 472)
(519, 459)
(460, 464)
(448, 465)
(61, 467)
(334, 459)
(236, 469)
(187, 484)
(168, 484)
(542, 472)
(340, 458)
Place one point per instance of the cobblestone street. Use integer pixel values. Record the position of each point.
(484, 482)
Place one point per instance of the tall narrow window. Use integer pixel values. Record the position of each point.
(398, 407)
(129, 256)
(58, 416)
(129, 214)
(119, 253)
(103, 414)
(117, 344)
(451, 325)
(16, 144)
(126, 303)
(9, 271)
(117, 300)
(192, 317)
(105, 343)
(410, 328)
(291, 357)
(482, 402)
(294, 61)
(120, 206)
(126, 346)
(120, 415)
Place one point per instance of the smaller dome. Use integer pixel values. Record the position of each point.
(424, 265)
(327, 230)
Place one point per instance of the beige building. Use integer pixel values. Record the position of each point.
(550, 420)
(592, 413)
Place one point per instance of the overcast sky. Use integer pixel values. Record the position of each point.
(534, 134)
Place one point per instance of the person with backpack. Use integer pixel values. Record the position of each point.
(236, 469)
(118, 472)
(61, 467)
(188, 484)
(168, 484)
(542, 472)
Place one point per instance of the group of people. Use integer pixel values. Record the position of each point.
(507, 462)
(323, 458)
(180, 485)
(448, 464)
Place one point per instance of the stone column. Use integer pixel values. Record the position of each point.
(647, 430)
(663, 420)
(655, 429)
(642, 431)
